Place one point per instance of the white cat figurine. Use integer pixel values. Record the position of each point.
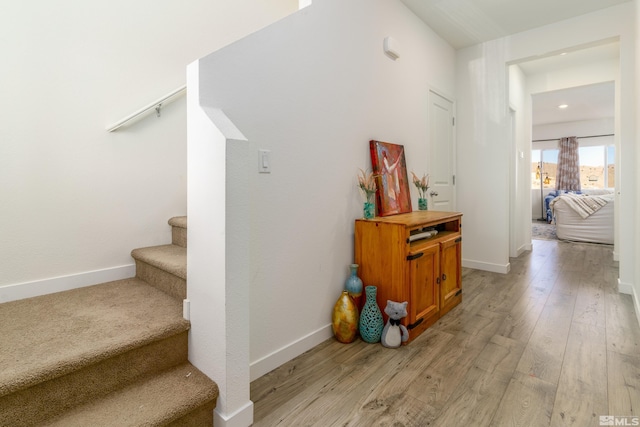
(394, 333)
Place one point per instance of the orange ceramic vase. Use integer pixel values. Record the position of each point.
(345, 319)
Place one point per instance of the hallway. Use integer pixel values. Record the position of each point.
(551, 343)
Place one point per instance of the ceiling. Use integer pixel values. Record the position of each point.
(465, 23)
(584, 103)
(587, 102)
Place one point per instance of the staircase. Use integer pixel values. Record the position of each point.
(113, 354)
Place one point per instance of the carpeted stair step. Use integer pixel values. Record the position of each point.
(179, 230)
(181, 396)
(164, 267)
(64, 349)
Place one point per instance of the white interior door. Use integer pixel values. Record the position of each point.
(442, 156)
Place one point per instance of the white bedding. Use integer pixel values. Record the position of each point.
(597, 227)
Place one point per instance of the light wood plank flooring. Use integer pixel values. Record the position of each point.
(552, 343)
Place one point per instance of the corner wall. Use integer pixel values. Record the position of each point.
(314, 89)
(520, 155)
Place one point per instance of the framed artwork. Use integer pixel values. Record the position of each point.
(390, 169)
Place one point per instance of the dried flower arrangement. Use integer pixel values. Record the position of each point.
(367, 184)
(422, 184)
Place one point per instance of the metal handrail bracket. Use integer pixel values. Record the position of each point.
(154, 106)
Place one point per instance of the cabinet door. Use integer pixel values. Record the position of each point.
(450, 279)
(425, 297)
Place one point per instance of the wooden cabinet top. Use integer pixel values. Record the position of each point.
(417, 218)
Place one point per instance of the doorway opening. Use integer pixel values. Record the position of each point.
(584, 80)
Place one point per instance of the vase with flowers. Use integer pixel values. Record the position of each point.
(422, 184)
(367, 185)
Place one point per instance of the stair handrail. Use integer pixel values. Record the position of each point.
(154, 106)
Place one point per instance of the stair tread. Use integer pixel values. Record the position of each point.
(178, 221)
(51, 335)
(170, 258)
(156, 400)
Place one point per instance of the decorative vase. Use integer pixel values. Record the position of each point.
(369, 210)
(344, 321)
(371, 323)
(353, 285)
(422, 204)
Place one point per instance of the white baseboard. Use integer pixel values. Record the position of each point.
(522, 249)
(627, 288)
(271, 361)
(243, 417)
(485, 266)
(64, 283)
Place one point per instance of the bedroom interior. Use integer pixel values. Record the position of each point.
(584, 212)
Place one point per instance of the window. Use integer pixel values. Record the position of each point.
(593, 173)
(545, 172)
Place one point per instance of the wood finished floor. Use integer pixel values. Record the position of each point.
(552, 343)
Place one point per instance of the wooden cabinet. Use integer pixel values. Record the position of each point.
(394, 256)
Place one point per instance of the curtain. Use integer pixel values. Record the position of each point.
(568, 174)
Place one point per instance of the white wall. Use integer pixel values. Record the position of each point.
(604, 126)
(484, 147)
(315, 97)
(74, 198)
(483, 134)
(519, 232)
(635, 286)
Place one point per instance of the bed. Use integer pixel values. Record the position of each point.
(585, 217)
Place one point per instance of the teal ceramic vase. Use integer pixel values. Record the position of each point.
(369, 210)
(353, 285)
(422, 204)
(371, 323)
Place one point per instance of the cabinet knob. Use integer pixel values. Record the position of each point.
(438, 280)
(433, 193)
(444, 276)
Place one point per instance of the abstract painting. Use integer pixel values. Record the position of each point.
(390, 169)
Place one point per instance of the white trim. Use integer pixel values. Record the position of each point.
(628, 289)
(65, 283)
(524, 248)
(243, 417)
(625, 288)
(485, 266)
(279, 357)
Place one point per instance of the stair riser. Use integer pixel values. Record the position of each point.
(179, 236)
(160, 279)
(199, 417)
(45, 400)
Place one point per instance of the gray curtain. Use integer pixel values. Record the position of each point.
(568, 174)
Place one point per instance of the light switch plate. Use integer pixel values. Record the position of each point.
(264, 161)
